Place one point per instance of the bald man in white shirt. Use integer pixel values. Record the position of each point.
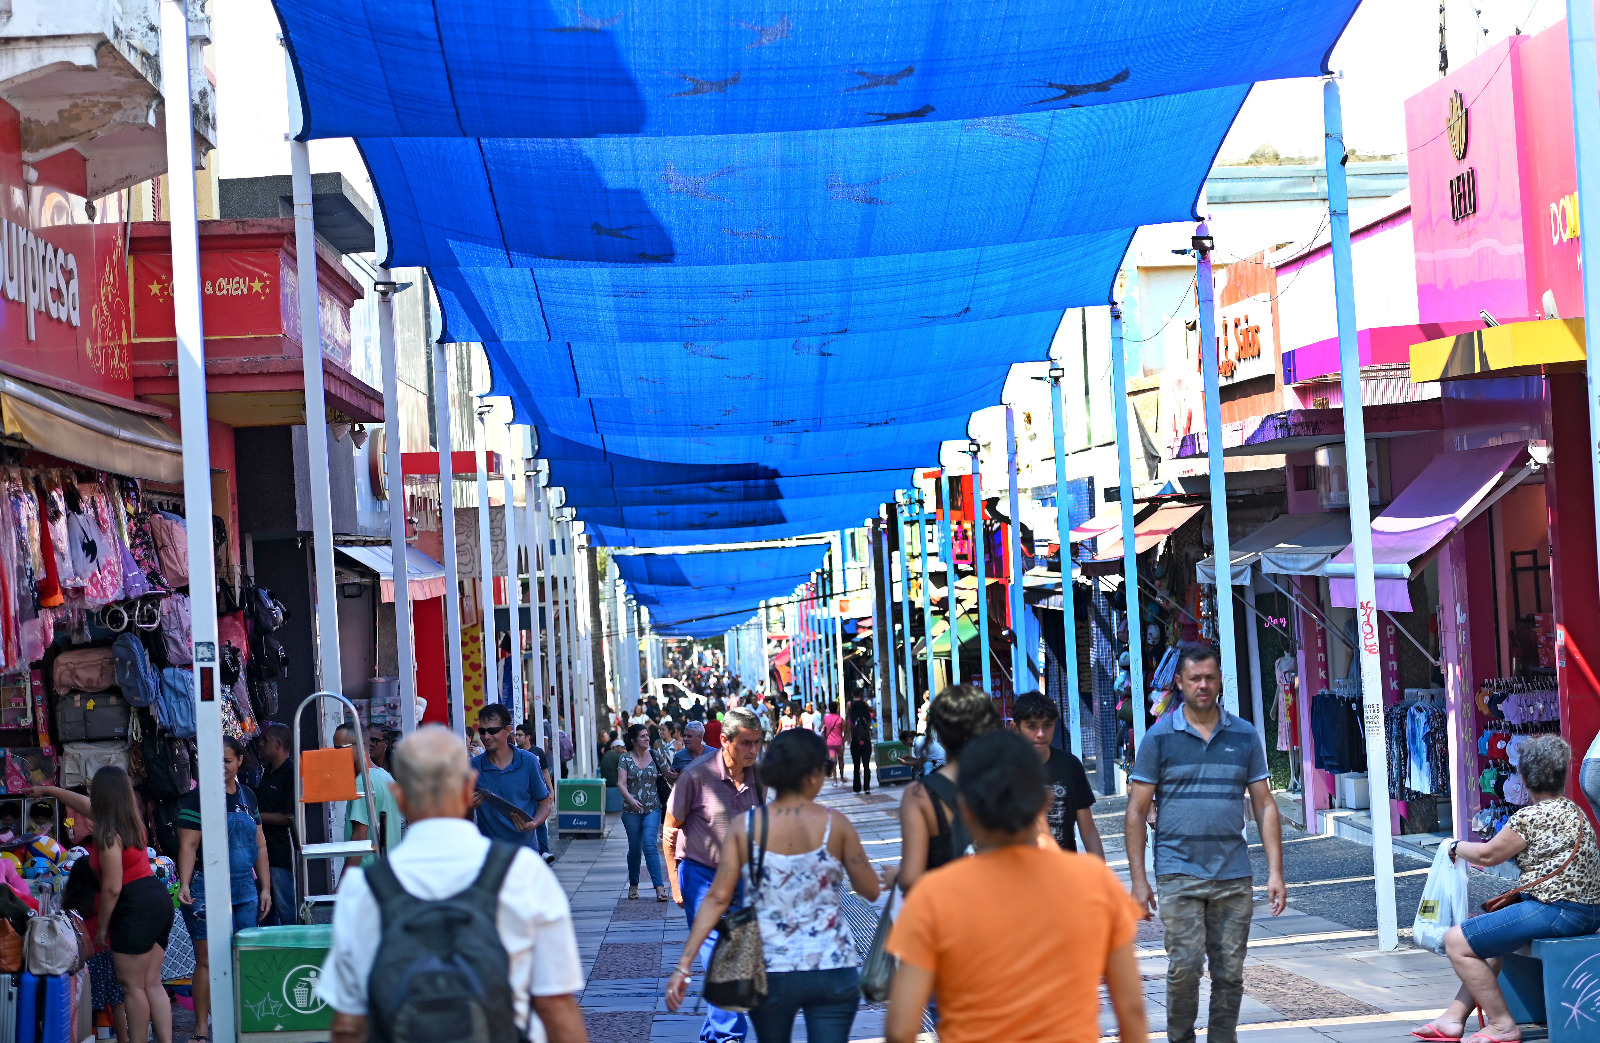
(441, 856)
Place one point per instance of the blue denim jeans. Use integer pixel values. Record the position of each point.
(542, 837)
(285, 910)
(644, 837)
(829, 998)
(694, 880)
(1504, 932)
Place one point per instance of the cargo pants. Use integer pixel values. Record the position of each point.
(1207, 921)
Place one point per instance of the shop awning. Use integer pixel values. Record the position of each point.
(1309, 553)
(90, 433)
(1109, 519)
(1499, 350)
(966, 631)
(1286, 531)
(424, 576)
(1146, 534)
(1451, 491)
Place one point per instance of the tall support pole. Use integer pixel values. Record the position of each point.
(1355, 452)
(1222, 548)
(841, 584)
(879, 642)
(952, 605)
(1069, 608)
(514, 532)
(980, 570)
(329, 676)
(447, 527)
(584, 631)
(534, 519)
(195, 422)
(901, 509)
(394, 474)
(564, 656)
(766, 655)
(1586, 143)
(891, 694)
(491, 642)
(1022, 679)
(927, 596)
(1130, 552)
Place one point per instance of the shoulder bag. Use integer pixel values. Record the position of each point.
(1513, 896)
(663, 787)
(877, 970)
(736, 976)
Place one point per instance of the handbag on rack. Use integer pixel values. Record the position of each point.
(736, 975)
(877, 970)
(1513, 896)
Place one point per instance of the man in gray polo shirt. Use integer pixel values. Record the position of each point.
(1196, 764)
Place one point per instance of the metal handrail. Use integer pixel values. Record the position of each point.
(332, 850)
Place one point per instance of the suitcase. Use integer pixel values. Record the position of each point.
(44, 1008)
(60, 991)
(27, 1025)
(8, 1008)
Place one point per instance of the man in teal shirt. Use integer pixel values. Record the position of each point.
(391, 822)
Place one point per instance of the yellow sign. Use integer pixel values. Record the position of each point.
(1498, 349)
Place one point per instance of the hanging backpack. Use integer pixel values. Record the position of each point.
(177, 630)
(265, 612)
(168, 769)
(171, 536)
(442, 974)
(174, 705)
(135, 676)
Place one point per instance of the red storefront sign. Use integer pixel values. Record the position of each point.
(64, 310)
(241, 294)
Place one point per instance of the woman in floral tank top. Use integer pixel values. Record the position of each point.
(1553, 844)
(803, 854)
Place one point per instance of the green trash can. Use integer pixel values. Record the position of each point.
(275, 972)
(580, 807)
(886, 755)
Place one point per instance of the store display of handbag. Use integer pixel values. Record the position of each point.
(91, 717)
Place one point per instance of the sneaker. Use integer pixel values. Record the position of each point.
(549, 859)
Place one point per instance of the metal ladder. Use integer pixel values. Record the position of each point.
(334, 849)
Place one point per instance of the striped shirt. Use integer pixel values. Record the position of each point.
(1200, 786)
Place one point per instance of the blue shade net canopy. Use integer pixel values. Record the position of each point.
(743, 264)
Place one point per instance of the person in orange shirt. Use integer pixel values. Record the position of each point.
(972, 931)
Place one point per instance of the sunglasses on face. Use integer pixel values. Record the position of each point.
(491, 731)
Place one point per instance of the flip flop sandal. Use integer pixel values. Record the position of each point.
(1428, 1032)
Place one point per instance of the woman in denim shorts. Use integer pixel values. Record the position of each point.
(1552, 843)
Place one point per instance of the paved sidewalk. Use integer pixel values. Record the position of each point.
(1308, 977)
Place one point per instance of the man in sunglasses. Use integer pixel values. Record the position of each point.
(511, 800)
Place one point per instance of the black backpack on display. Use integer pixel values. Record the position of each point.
(442, 974)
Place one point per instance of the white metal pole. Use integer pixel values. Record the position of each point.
(874, 556)
(952, 607)
(891, 697)
(491, 642)
(305, 253)
(1355, 451)
(394, 470)
(1069, 607)
(927, 598)
(840, 582)
(566, 645)
(1586, 147)
(1253, 646)
(585, 643)
(906, 660)
(514, 575)
(447, 532)
(1022, 679)
(536, 545)
(195, 421)
(1130, 555)
(1221, 545)
(766, 652)
(980, 540)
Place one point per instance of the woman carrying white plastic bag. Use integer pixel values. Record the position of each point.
(1444, 901)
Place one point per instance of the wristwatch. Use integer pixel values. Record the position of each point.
(1453, 845)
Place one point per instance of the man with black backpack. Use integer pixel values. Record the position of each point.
(861, 742)
(453, 938)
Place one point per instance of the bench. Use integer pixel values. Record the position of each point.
(1556, 981)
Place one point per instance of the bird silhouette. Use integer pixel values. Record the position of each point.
(1078, 90)
(616, 233)
(845, 192)
(693, 186)
(699, 86)
(653, 258)
(586, 24)
(766, 34)
(874, 79)
(940, 318)
(890, 117)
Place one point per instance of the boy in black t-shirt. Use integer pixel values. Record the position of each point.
(1071, 799)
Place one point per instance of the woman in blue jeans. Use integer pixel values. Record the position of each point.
(1552, 843)
(803, 853)
(637, 775)
(249, 875)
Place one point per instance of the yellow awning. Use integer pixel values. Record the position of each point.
(1497, 349)
(90, 433)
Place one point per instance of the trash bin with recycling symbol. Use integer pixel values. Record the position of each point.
(580, 807)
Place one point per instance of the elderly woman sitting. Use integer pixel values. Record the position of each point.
(1553, 845)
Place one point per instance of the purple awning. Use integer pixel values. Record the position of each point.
(1449, 492)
